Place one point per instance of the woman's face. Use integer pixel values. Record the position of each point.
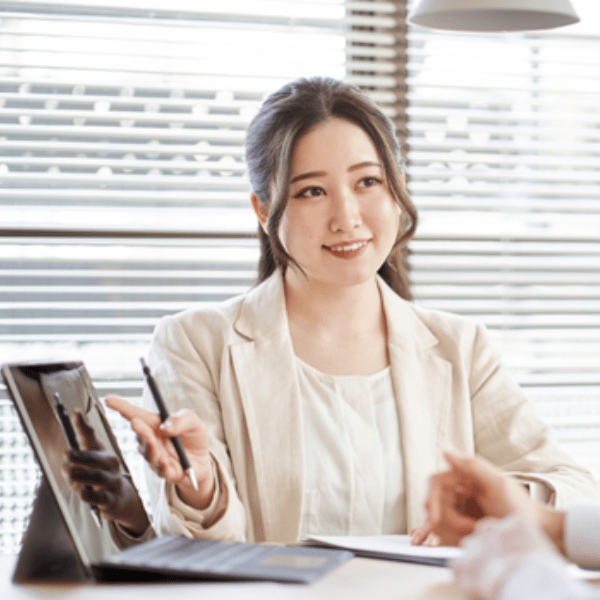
(341, 220)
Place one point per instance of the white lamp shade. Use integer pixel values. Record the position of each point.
(493, 15)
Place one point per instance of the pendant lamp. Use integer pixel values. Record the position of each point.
(493, 15)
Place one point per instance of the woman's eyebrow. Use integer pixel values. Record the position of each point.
(365, 163)
(360, 165)
(308, 176)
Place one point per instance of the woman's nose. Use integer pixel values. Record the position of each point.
(345, 212)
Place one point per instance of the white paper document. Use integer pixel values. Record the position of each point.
(389, 547)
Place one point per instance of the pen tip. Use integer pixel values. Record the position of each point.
(193, 479)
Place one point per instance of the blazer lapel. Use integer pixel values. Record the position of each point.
(263, 360)
(422, 383)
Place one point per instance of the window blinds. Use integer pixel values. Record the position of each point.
(504, 168)
(123, 194)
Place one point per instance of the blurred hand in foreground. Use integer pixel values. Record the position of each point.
(470, 489)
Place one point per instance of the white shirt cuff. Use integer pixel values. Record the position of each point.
(582, 534)
(195, 520)
(544, 577)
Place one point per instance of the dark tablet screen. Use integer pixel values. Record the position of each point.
(33, 388)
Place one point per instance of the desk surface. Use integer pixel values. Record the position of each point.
(358, 579)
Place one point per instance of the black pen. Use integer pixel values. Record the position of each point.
(69, 431)
(164, 415)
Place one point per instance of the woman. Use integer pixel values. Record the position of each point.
(320, 401)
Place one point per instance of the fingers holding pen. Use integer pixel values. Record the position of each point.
(186, 425)
(155, 445)
(152, 446)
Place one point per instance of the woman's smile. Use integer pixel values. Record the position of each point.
(341, 220)
(347, 249)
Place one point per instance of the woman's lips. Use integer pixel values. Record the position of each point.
(347, 249)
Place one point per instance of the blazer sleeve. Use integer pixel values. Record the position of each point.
(508, 432)
(186, 380)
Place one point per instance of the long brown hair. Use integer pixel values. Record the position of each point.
(283, 119)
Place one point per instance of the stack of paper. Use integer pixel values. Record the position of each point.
(390, 547)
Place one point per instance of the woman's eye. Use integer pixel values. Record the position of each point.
(310, 192)
(369, 181)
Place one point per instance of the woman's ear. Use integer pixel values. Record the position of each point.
(261, 211)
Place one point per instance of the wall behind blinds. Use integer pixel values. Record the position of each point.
(123, 194)
(504, 151)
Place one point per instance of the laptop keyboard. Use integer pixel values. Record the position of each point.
(184, 554)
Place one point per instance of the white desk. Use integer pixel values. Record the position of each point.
(358, 579)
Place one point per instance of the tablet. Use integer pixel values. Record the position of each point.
(66, 539)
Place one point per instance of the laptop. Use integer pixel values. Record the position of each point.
(67, 540)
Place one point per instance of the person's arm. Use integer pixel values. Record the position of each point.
(511, 559)
(185, 357)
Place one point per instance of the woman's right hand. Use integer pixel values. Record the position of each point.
(158, 450)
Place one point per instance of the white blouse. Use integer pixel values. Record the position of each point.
(354, 478)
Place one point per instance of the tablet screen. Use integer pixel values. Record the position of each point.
(33, 388)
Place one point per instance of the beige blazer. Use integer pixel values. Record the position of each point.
(234, 365)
